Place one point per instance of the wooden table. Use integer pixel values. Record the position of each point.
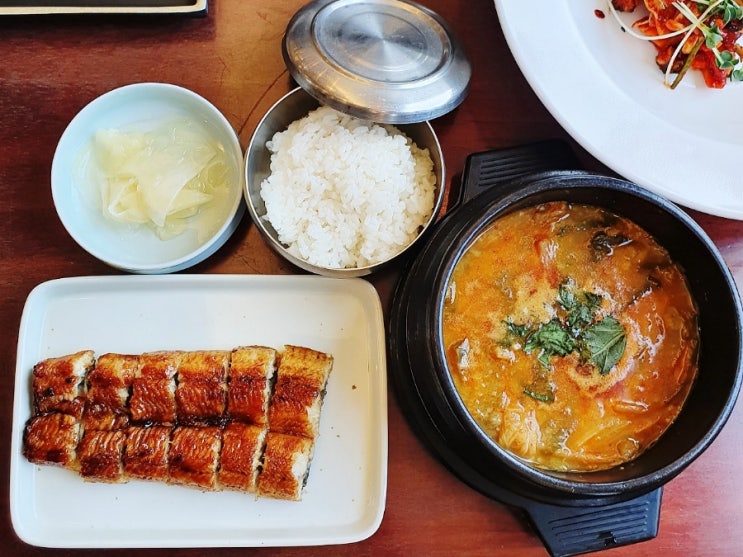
(53, 66)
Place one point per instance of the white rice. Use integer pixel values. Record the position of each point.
(345, 192)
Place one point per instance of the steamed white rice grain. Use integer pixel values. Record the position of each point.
(345, 192)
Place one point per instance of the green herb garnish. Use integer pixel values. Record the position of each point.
(541, 397)
(605, 342)
(581, 308)
(713, 37)
(520, 331)
(540, 388)
(731, 10)
(575, 329)
(550, 339)
(728, 10)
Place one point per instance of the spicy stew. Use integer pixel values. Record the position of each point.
(571, 336)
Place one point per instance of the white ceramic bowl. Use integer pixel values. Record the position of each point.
(137, 249)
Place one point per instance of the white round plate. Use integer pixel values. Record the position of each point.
(603, 86)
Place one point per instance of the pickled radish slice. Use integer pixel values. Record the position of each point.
(163, 177)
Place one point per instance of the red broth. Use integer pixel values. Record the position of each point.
(571, 336)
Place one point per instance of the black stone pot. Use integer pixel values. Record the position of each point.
(572, 512)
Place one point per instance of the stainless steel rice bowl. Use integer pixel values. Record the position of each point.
(293, 106)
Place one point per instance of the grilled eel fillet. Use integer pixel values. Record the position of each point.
(245, 419)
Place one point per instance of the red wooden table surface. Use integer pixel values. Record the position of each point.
(50, 67)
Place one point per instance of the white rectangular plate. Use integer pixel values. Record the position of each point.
(344, 497)
(31, 7)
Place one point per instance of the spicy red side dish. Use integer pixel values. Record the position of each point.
(693, 35)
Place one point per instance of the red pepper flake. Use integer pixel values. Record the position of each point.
(599, 14)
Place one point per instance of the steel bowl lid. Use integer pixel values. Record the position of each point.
(389, 61)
